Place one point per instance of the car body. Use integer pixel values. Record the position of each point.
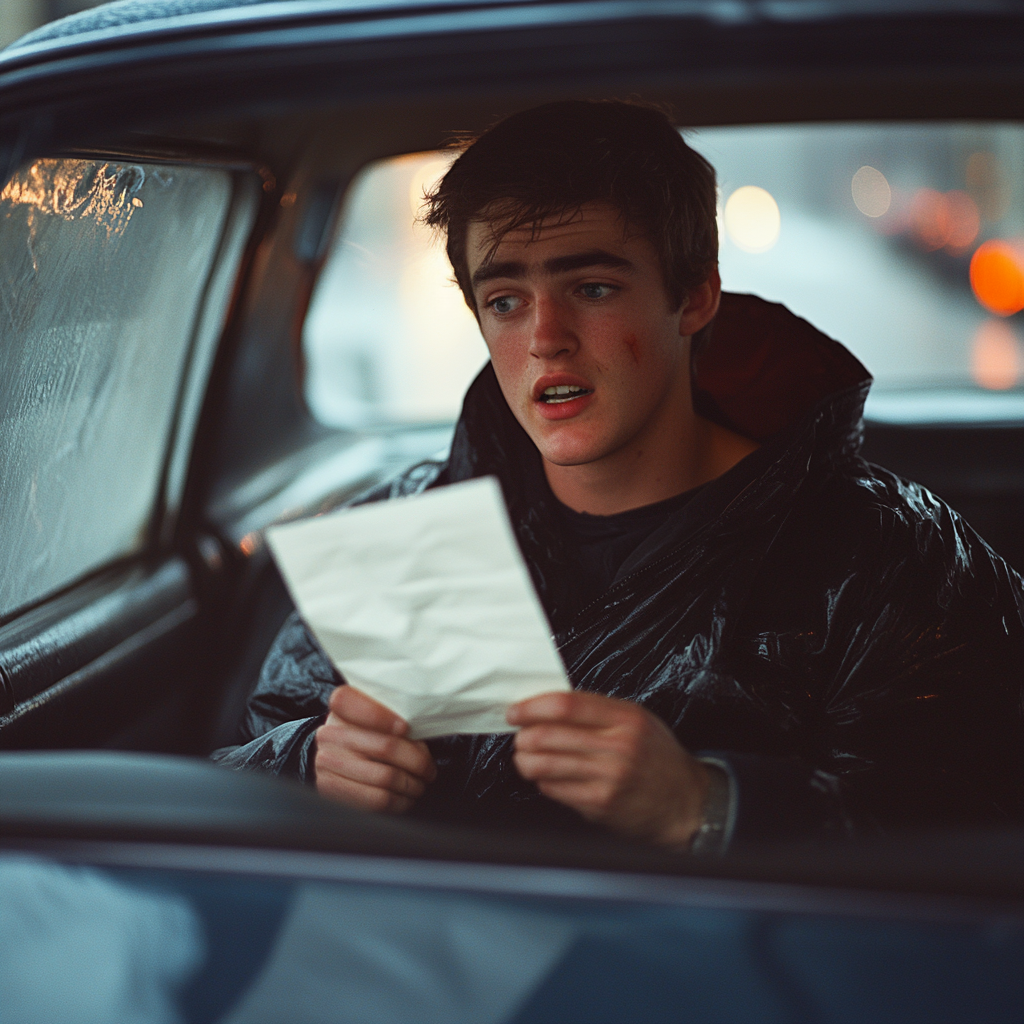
(157, 424)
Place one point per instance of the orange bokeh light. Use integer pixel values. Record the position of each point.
(995, 356)
(997, 277)
(947, 220)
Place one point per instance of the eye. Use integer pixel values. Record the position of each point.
(595, 291)
(504, 304)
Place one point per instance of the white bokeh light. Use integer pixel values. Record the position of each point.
(871, 192)
(752, 219)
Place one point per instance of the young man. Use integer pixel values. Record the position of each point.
(767, 637)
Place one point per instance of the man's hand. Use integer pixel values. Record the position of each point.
(612, 761)
(363, 758)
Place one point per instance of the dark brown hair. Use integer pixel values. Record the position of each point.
(550, 160)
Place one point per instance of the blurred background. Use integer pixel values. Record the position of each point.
(20, 16)
(903, 241)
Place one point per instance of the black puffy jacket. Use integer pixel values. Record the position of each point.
(838, 636)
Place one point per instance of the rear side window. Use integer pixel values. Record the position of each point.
(903, 241)
(389, 338)
(102, 270)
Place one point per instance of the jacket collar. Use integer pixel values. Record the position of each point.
(765, 369)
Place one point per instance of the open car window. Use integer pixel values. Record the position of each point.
(104, 265)
(904, 242)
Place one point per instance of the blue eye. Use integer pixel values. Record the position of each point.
(594, 291)
(504, 304)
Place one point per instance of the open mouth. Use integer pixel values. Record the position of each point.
(563, 393)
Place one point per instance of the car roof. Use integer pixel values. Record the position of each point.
(126, 18)
(124, 13)
(236, 73)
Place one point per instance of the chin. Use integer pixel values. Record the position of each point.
(569, 451)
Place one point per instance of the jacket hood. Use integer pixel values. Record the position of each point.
(764, 370)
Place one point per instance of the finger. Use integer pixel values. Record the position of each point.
(413, 757)
(590, 798)
(354, 706)
(358, 794)
(357, 768)
(557, 737)
(575, 707)
(556, 767)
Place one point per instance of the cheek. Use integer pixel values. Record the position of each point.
(632, 344)
(510, 366)
(500, 349)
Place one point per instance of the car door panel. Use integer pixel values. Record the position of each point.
(77, 670)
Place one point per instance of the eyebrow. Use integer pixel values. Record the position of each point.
(555, 265)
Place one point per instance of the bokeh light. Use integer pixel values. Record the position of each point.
(928, 219)
(752, 219)
(871, 192)
(962, 221)
(988, 185)
(944, 220)
(996, 356)
(997, 277)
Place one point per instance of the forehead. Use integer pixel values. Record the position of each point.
(592, 225)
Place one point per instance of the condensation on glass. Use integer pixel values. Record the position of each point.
(869, 231)
(102, 270)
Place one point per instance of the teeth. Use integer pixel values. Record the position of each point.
(563, 393)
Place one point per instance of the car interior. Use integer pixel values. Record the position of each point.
(221, 314)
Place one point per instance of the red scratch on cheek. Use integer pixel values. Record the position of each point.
(634, 347)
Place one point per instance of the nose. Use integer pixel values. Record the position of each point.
(552, 334)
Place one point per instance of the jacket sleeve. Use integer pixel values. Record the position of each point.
(911, 664)
(772, 798)
(286, 708)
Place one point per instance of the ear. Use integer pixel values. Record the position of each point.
(701, 305)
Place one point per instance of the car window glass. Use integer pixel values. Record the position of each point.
(102, 270)
(904, 242)
(388, 337)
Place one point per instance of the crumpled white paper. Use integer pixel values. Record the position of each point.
(425, 604)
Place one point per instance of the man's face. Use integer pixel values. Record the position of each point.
(587, 352)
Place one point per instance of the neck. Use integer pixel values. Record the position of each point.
(677, 452)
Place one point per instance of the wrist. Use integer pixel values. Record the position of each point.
(680, 833)
(712, 836)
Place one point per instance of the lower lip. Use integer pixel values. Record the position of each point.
(564, 410)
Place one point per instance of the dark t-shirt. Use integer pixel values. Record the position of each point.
(598, 546)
